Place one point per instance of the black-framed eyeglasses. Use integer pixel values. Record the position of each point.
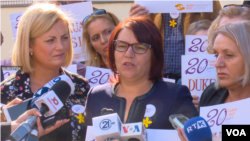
(139, 48)
(97, 12)
(242, 6)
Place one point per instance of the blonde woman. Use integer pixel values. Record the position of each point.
(97, 29)
(231, 45)
(230, 13)
(43, 46)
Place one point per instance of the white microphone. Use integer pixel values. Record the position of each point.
(135, 131)
(49, 104)
(107, 127)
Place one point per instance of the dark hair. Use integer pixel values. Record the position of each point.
(145, 31)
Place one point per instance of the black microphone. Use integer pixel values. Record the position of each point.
(49, 104)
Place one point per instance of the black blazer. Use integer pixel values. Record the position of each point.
(5, 130)
(211, 96)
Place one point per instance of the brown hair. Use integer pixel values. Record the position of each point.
(145, 31)
(197, 26)
(230, 12)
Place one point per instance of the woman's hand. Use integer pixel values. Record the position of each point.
(138, 10)
(181, 134)
(35, 112)
(12, 103)
(24, 117)
(196, 101)
(42, 131)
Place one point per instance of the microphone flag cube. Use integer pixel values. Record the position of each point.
(107, 127)
(134, 130)
(52, 101)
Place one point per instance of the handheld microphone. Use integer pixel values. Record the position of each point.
(197, 129)
(135, 131)
(107, 127)
(32, 136)
(48, 86)
(48, 104)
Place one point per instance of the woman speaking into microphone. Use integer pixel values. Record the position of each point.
(43, 46)
(135, 55)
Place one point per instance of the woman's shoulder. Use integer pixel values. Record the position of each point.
(18, 76)
(212, 96)
(102, 89)
(81, 84)
(76, 77)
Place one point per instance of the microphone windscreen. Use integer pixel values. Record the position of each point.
(62, 90)
(139, 113)
(197, 129)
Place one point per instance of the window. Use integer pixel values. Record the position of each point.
(15, 3)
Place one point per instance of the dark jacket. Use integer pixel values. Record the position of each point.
(166, 98)
(211, 96)
(5, 130)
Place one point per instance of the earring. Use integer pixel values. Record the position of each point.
(31, 53)
(95, 55)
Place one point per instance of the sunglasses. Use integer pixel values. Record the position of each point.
(97, 12)
(139, 48)
(242, 6)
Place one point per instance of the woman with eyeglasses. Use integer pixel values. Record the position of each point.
(97, 29)
(135, 56)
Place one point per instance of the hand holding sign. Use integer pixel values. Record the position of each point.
(176, 6)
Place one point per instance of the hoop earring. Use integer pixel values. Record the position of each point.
(31, 53)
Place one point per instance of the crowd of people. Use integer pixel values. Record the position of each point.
(140, 51)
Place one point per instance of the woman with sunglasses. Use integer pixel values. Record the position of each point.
(97, 29)
(135, 57)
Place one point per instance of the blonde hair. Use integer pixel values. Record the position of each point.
(240, 33)
(36, 20)
(92, 57)
(197, 26)
(230, 12)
